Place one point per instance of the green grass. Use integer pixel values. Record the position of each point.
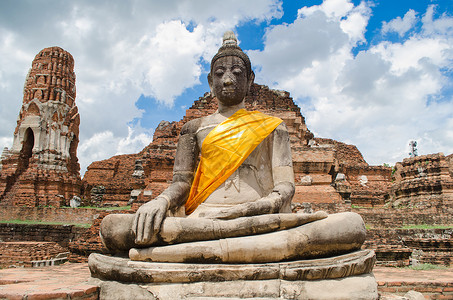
(426, 226)
(108, 208)
(33, 222)
(427, 267)
(358, 206)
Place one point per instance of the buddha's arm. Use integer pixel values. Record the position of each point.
(282, 169)
(279, 200)
(149, 217)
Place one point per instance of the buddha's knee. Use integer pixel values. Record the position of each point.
(116, 232)
(347, 230)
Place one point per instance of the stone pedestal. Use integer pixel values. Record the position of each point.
(342, 277)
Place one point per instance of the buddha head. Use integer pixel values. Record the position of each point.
(231, 74)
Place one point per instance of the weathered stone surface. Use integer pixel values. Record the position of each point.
(354, 287)
(421, 178)
(337, 234)
(42, 168)
(245, 175)
(182, 230)
(125, 270)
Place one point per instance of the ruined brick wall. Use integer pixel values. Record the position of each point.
(115, 174)
(42, 167)
(346, 155)
(61, 234)
(316, 161)
(115, 177)
(49, 214)
(398, 217)
(400, 247)
(397, 245)
(363, 185)
(15, 254)
(423, 181)
(449, 159)
(370, 185)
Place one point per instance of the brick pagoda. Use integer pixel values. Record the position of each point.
(42, 167)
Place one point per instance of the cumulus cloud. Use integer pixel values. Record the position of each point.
(437, 26)
(122, 50)
(378, 99)
(401, 25)
(104, 144)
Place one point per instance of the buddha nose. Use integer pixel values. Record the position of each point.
(227, 80)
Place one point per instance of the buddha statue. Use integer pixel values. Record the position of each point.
(236, 203)
(224, 227)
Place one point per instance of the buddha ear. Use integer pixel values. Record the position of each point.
(250, 81)
(210, 83)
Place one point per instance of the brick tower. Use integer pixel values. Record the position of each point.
(42, 166)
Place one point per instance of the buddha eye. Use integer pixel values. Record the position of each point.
(237, 70)
(219, 72)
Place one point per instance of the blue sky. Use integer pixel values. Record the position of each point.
(375, 74)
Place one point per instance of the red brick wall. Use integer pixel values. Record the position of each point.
(49, 214)
(61, 234)
(435, 290)
(23, 253)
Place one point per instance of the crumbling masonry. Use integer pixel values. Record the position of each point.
(42, 168)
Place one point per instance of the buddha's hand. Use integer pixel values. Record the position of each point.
(148, 220)
(266, 205)
(225, 214)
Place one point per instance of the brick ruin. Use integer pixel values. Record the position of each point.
(42, 168)
(415, 225)
(326, 171)
(330, 176)
(423, 181)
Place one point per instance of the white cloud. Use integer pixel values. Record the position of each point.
(331, 8)
(104, 144)
(440, 26)
(379, 99)
(352, 19)
(401, 26)
(121, 49)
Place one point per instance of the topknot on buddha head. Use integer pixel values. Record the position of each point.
(230, 48)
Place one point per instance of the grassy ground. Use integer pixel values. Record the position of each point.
(425, 226)
(427, 267)
(107, 208)
(32, 222)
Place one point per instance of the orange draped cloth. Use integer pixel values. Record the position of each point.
(225, 148)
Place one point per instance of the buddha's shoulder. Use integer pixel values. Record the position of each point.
(193, 126)
(190, 127)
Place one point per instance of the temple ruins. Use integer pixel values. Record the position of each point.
(40, 174)
(327, 172)
(41, 168)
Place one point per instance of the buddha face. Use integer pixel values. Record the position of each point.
(229, 81)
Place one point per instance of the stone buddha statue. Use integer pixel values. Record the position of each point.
(244, 175)
(230, 198)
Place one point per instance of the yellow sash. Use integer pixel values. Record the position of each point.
(225, 148)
